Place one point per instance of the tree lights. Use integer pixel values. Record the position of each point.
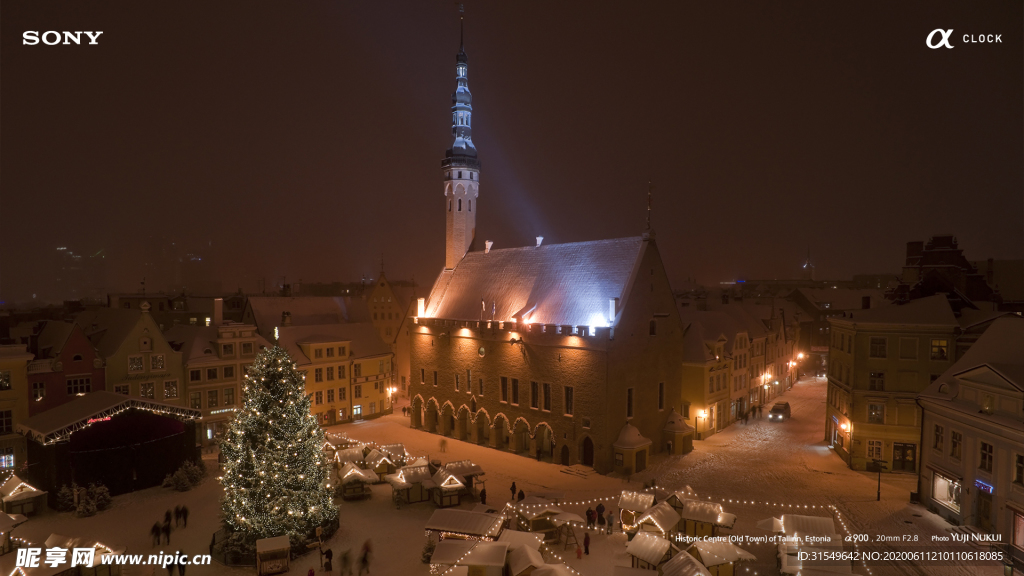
(275, 471)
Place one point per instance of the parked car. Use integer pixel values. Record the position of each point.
(779, 412)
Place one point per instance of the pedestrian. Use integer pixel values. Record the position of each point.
(590, 518)
(600, 513)
(483, 495)
(611, 522)
(184, 516)
(328, 568)
(182, 564)
(170, 569)
(329, 554)
(346, 563)
(746, 415)
(586, 544)
(513, 490)
(155, 532)
(166, 529)
(521, 495)
(167, 516)
(364, 562)
(579, 552)
(443, 445)
(177, 515)
(311, 572)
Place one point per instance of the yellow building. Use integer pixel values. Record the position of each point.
(14, 361)
(392, 308)
(348, 369)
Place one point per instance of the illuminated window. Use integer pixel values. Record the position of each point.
(147, 390)
(946, 491)
(156, 362)
(876, 413)
(874, 449)
(135, 363)
(940, 349)
(38, 390)
(229, 396)
(170, 389)
(195, 400)
(7, 458)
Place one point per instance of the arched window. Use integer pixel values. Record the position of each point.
(77, 357)
(654, 327)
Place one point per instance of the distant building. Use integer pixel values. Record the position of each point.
(393, 307)
(1006, 276)
(14, 394)
(879, 361)
(216, 360)
(139, 360)
(938, 266)
(817, 305)
(268, 313)
(348, 369)
(973, 460)
(66, 366)
(173, 309)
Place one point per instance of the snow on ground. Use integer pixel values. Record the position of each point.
(782, 463)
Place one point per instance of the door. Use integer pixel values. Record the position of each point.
(357, 412)
(904, 457)
(565, 455)
(588, 451)
(984, 511)
(641, 460)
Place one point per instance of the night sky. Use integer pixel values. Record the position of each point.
(304, 139)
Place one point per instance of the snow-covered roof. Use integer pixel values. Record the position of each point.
(395, 451)
(715, 552)
(198, 344)
(684, 565)
(560, 519)
(363, 337)
(705, 511)
(534, 512)
(8, 521)
(266, 311)
(15, 489)
(522, 558)
(793, 524)
(676, 423)
(993, 361)
(463, 468)
(930, 311)
(631, 439)
(517, 538)
(349, 455)
(450, 550)
(566, 284)
(376, 458)
(57, 424)
(465, 522)
(554, 570)
(679, 496)
(273, 544)
(630, 571)
(648, 547)
(662, 516)
(107, 328)
(635, 501)
(352, 473)
(486, 554)
(446, 480)
(534, 501)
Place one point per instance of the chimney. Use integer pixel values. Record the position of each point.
(865, 302)
(421, 306)
(286, 318)
(539, 240)
(487, 246)
(218, 312)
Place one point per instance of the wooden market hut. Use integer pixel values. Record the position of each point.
(632, 505)
(524, 560)
(535, 514)
(719, 557)
(380, 464)
(650, 551)
(397, 453)
(350, 454)
(470, 474)
(703, 518)
(480, 557)
(7, 523)
(447, 490)
(272, 555)
(411, 484)
(660, 519)
(464, 525)
(355, 482)
(20, 497)
(684, 565)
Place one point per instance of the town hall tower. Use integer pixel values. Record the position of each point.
(461, 170)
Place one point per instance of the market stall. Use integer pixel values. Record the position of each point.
(272, 555)
(649, 551)
(355, 482)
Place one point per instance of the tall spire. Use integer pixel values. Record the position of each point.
(462, 101)
(462, 29)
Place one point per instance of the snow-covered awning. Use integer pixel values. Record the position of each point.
(349, 455)
(554, 570)
(716, 552)
(649, 547)
(376, 458)
(465, 522)
(58, 424)
(635, 501)
(395, 452)
(447, 481)
(274, 544)
(463, 468)
(662, 516)
(544, 511)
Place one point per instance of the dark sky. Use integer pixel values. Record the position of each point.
(304, 139)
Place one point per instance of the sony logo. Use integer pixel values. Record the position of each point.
(53, 37)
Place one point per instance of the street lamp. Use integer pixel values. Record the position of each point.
(703, 414)
(881, 466)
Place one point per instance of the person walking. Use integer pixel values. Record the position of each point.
(586, 544)
(184, 516)
(167, 516)
(590, 518)
(329, 554)
(328, 567)
(177, 515)
(364, 561)
(182, 564)
(522, 495)
(513, 489)
(600, 513)
(346, 563)
(155, 533)
(166, 530)
(483, 495)
(611, 522)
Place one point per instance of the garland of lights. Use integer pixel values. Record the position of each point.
(275, 472)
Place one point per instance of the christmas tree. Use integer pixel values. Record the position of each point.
(274, 468)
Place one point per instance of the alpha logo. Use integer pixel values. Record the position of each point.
(53, 37)
(943, 42)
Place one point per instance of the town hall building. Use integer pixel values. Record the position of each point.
(562, 352)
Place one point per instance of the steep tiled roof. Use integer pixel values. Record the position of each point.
(998, 350)
(53, 336)
(107, 328)
(930, 311)
(567, 284)
(199, 342)
(306, 310)
(364, 336)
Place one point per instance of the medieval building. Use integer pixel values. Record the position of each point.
(563, 352)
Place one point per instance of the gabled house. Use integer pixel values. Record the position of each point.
(66, 365)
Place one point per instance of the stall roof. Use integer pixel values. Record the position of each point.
(349, 455)
(352, 473)
(8, 521)
(58, 424)
(648, 547)
(273, 544)
(395, 451)
(808, 525)
(522, 558)
(375, 458)
(630, 571)
(662, 515)
(713, 553)
(15, 489)
(635, 501)
(705, 511)
(463, 468)
(450, 550)
(534, 512)
(517, 539)
(554, 570)
(486, 554)
(446, 481)
(465, 522)
(684, 565)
